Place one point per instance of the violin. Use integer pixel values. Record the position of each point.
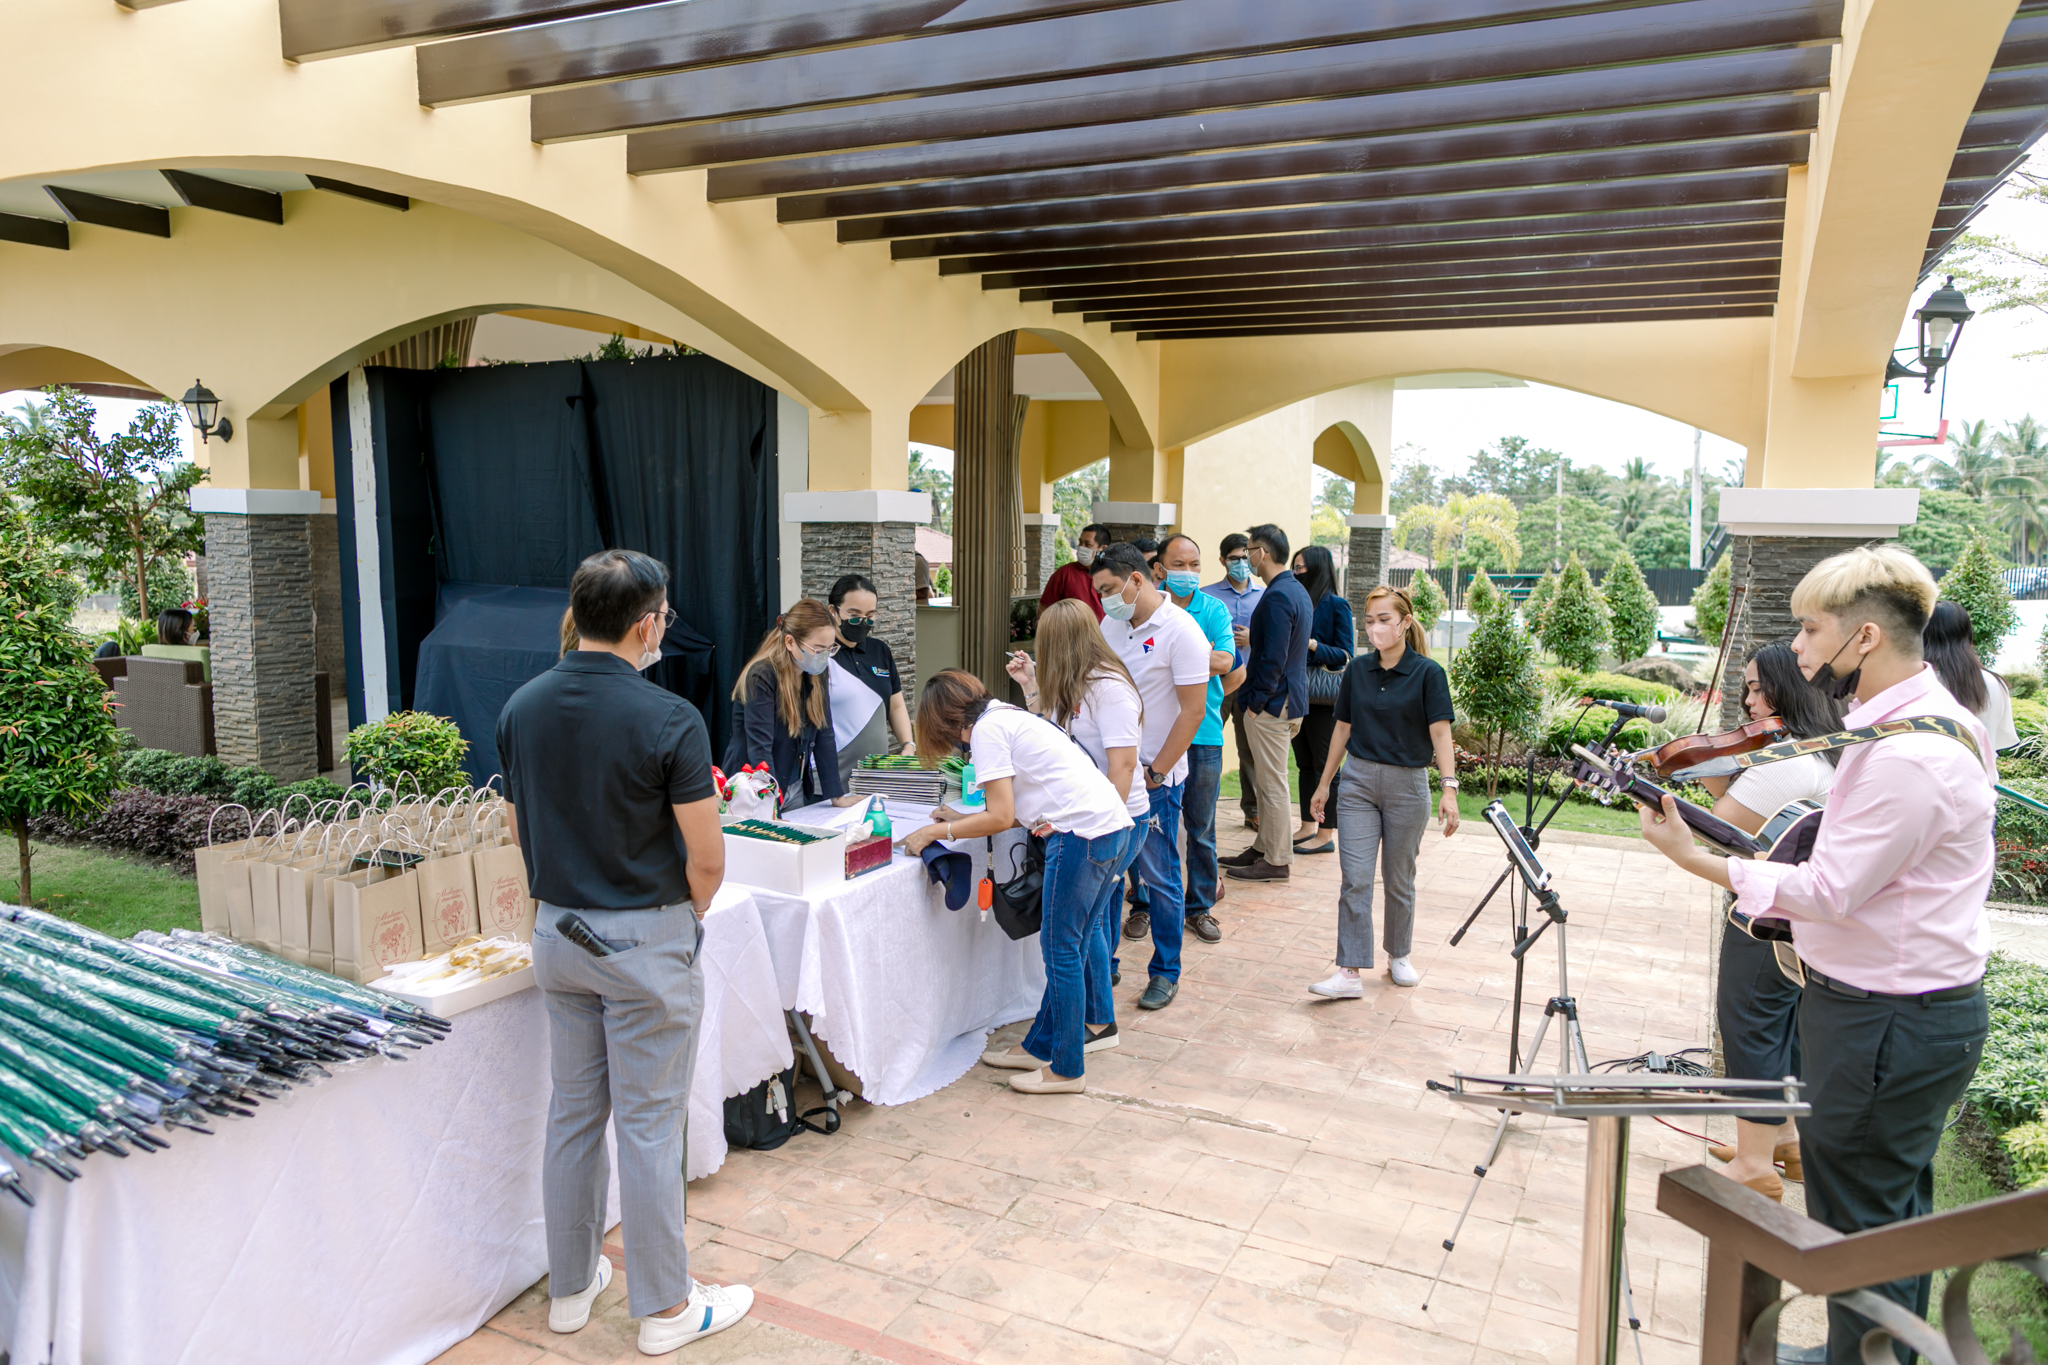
(1688, 750)
(1617, 775)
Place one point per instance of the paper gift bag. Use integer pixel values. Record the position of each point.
(376, 922)
(236, 897)
(264, 918)
(503, 907)
(447, 901)
(210, 864)
(295, 887)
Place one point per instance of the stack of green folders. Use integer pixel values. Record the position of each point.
(771, 830)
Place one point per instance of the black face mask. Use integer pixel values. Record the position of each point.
(855, 632)
(1841, 689)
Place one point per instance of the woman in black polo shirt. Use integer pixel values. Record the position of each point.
(784, 716)
(1393, 715)
(867, 694)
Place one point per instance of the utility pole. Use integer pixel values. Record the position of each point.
(1694, 561)
(1557, 549)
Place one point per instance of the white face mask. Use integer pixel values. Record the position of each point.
(649, 657)
(1084, 555)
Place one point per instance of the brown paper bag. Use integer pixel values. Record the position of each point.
(376, 922)
(264, 917)
(447, 900)
(295, 889)
(236, 896)
(210, 864)
(503, 907)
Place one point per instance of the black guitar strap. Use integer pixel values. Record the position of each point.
(1840, 739)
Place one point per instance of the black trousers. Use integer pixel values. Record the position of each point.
(1311, 751)
(1758, 1012)
(1881, 1075)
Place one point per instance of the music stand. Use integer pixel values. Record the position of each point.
(1607, 1103)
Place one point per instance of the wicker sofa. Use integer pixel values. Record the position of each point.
(168, 704)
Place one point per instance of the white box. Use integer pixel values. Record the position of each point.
(454, 1002)
(793, 869)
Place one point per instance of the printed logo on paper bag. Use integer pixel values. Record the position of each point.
(451, 917)
(507, 903)
(392, 940)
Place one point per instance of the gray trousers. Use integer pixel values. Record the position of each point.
(623, 1030)
(1381, 815)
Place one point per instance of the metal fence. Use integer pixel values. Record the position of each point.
(1672, 587)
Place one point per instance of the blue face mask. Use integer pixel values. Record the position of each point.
(1238, 569)
(1183, 584)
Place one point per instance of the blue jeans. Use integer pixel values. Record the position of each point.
(1081, 875)
(1198, 815)
(1158, 869)
(1102, 958)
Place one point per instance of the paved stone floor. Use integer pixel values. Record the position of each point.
(1255, 1176)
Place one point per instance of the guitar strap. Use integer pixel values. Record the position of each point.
(1840, 739)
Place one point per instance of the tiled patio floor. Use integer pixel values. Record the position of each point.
(1255, 1176)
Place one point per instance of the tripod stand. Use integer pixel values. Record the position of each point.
(1571, 1041)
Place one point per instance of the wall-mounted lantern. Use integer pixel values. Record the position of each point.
(202, 409)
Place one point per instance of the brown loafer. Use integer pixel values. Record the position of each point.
(1244, 859)
(1786, 1154)
(1205, 927)
(1259, 871)
(1138, 925)
(1769, 1186)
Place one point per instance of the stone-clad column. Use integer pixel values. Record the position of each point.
(1042, 533)
(329, 654)
(260, 574)
(871, 532)
(1136, 520)
(1372, 537)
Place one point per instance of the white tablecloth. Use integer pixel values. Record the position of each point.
(378, 1217)
(905, 990)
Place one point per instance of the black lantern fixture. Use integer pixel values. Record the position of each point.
(1941, 321)
(202, 409)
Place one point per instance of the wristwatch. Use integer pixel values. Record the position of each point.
(1450, 786)
(1154, 778)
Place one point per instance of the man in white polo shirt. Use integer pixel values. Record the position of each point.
(1168, 657)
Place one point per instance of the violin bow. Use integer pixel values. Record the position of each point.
(1735, 592)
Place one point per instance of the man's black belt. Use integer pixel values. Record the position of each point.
(1924, 997)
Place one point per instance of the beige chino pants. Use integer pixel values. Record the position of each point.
(1269, 738)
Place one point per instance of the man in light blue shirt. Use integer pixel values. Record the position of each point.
(1181, 560)
(1239, 590)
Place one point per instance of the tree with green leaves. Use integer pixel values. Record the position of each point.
(58, 743)
(1074, 498)
(1662, 542)
(1631, 608)
(1427, 599)
(1538, 601)
(1946, 524)
(2003, 274)
(1710, 601)
(118, 503)
(1481, 596)
(1575, 625)
(1493, 682)
(1977, 586)
(1549, 531)
(1464, 529)
(929, 478)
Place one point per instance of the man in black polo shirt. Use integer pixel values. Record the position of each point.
(610, 780)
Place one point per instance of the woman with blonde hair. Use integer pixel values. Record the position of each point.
(1393, 712)
(1079, 684)
(784, 717)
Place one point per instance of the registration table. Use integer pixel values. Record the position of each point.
(375, 1219)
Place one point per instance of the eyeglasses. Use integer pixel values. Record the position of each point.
(856, 620)
(828, 651)
(667, 614)
(1237, 559)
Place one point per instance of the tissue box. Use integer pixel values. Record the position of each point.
(867, 853)
(795, 869)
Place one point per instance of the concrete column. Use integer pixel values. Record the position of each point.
(260, 571)
(987, 507)
(1137, 520)
(1372, 535)
(871, 532)
(1042, 532)
(1776, 535)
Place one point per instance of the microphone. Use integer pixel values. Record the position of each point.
(578, 931)
(1654, 714)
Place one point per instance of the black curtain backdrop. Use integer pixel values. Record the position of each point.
(508, 476)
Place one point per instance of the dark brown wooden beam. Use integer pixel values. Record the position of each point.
(1349, 284)
(1681, 227)
(2024, 88)
(2025, 43)
(1717, 292)
(1993, 163)
(363, 192)
(2004, 127)
(691, 33)
(1169, 33)
(323, 28)
(1689, 28)
(1611, 197)
(1593, 168)
(224, 196)
(1454, 324)
(1759, 240)
(81, 206)
(1536, 97)
(15, 227)
(1548, 137)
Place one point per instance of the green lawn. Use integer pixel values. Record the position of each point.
(1619, 819)
(105, 891)
(2002, 1297)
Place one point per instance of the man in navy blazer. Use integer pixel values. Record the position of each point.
(1274, 699)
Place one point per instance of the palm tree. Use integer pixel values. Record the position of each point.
(1640, 495)
(2019, 495)
(33, 419)
(1973, 461)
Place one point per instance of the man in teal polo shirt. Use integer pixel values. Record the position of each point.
(1181, 559)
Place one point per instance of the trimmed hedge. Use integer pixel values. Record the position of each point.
(138, 821)
(2011, 1084)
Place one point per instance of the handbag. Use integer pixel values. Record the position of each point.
(765, 1117)
(1019, 903)
(1323, 685)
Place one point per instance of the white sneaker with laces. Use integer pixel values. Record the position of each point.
(712, 1308)
(568, 1314)
(1401, 973)
(1341, 985)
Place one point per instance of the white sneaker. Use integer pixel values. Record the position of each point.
(570, 1313)
(1342, 985)
(1401, 973)
(712, 1308)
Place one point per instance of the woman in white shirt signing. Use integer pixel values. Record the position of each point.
(1756, 1006)
(1035, 777)
(1079, 683)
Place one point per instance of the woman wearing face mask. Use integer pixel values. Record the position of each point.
(1756, 1007)
(1393, 716)
(1329, 648)
(785, 714)
(867, 694)
(1034, 776)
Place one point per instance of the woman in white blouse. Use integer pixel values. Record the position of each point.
(1034, 776)
(1756, 1006)
(1949, 648)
